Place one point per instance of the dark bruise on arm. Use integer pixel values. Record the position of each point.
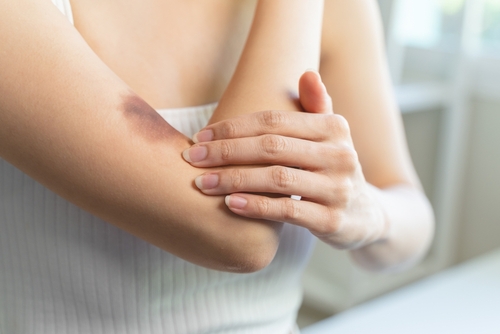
(146, 121)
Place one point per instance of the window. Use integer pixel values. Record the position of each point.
(490, 32)
(429, 23)
(439, 23)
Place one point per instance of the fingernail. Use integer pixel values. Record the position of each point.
(204, 135)
(195, 154)
(207, 181)
(235, 202)
(314, 71)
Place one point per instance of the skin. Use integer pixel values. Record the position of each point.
(84, 146)
(337, 205)
(359, 189)
(70, 118)
(144, 120)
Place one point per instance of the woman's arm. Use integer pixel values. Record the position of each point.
(73, 125)
(284, 41)
(355, 73)
(387, 224)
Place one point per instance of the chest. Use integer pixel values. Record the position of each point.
(172, 53)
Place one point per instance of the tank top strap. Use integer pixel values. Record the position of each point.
(65, 8)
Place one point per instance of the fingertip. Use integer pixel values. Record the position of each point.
(198, 182)
(312, 92)
(313, 70)
(235, 202)
(203, 136)
(185, 155)
(207, 181)
(310, 81)
(195, 154)
(310, 77)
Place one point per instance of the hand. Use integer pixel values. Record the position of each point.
(337, 203)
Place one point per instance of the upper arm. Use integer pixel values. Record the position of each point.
(69, 122)
(354, 70)
(284, 41)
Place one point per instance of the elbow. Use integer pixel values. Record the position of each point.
(247, 264)
(254, 260)
(249, 256)
(221, 241)
(249, 251)
(234, 256)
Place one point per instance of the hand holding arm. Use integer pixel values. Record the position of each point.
(382, 227)
(394, 225)
(337, 204)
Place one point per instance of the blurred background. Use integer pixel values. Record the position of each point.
(444, 57)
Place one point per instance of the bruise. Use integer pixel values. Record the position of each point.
(144, 120)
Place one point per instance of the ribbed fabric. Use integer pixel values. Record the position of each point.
(63, 270)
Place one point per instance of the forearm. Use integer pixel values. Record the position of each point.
(409, 230)
(70, 123)
(399, 219)
(283, 42)
(117, 162)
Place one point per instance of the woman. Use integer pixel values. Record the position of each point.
(179, 256)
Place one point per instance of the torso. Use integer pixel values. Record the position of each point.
(172, 53)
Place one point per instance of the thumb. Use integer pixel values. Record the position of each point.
(313, 95)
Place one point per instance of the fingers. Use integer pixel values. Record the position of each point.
(313, 95)
(274, 179)
(272, 149)
(315, 127)
(315, 217)
(313, 98)
(267, 149)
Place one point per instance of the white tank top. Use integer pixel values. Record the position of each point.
(63, 270)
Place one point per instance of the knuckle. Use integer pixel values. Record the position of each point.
(272, 119)
(291, 210)
(273, 145)
(263, 206)
(338, 124)
(226, 151)
(329, 223)
(343, 192)
(282, 177)
(237, 179)
(330, 121)
(342, 122)
(347, 159)
(229, 130)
